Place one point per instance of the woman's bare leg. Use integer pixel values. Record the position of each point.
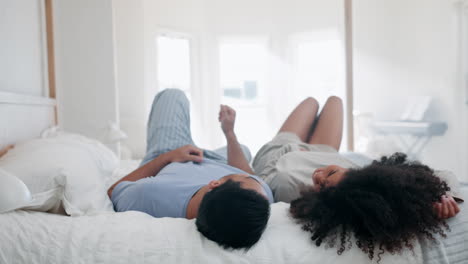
(301, 119)
(329, 127)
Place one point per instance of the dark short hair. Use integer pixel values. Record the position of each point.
(385, 206)
(232, 216)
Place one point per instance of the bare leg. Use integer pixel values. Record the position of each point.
(301, 119)
(329, 128)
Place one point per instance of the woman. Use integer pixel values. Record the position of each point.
(385, 205)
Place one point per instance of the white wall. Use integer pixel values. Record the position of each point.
(87, 98)
(463, 78)
(129, 58)
(22, 65)
(408, 48)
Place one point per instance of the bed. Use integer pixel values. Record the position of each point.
(94, 233)
(134, 237)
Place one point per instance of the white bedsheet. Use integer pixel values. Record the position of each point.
(134, 237)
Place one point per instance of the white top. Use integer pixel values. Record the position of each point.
(294, 171)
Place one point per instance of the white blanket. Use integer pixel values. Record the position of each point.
(134, 237)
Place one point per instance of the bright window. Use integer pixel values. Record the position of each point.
(173, 63)
(319, 67)
(243, 71)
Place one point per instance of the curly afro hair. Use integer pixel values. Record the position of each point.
(385, 205)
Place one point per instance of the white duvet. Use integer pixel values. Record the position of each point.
(134, 237)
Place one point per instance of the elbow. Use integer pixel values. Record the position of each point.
(109, 192)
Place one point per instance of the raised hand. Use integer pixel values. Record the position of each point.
(227, 117)
(185, 153)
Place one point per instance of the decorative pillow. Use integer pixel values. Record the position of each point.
(80, 164)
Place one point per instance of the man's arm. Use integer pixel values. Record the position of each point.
(236, 158)
(182, 154)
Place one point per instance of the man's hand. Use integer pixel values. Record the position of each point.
(182, 154)
(227, 117)
(236, 158)
(446, 208)
(185, 153)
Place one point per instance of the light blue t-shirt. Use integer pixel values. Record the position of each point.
(168, 193)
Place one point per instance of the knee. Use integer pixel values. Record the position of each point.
(334, 100)
(312, 102)
(172, 94)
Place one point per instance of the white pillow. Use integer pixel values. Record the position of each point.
(13, 192)
(46, 191)
(81, 164)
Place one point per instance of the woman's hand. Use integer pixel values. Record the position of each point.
(185, 153)
(447, 207)
(227, 117)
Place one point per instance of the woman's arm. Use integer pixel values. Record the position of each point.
(4, 150)
(182, 154)
(236, 158)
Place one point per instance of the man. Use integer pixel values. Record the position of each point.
(177, 179)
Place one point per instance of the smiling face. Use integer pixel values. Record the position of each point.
(328, 176)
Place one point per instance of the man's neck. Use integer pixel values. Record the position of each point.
(194, 203)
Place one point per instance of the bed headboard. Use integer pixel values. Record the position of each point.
(24, 117)
(27, 90)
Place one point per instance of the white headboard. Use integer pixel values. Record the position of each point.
(27, 83)
(24, 117)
